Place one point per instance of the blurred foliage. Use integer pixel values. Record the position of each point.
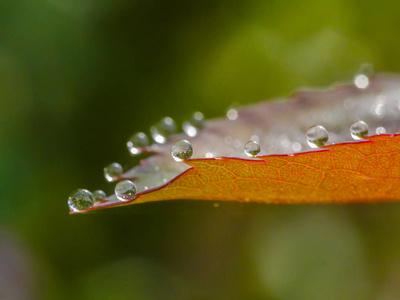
(77, 78)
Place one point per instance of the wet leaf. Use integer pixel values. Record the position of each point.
(286, 171)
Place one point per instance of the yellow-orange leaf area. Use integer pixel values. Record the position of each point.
(349, 172)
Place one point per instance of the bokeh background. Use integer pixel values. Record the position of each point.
(77, 78)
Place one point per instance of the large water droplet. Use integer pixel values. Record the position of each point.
(181, 150)
(358, 130)
(252, 148)
(98, 195)
(316, 136)
(125, 190)
(137, 142)
(163, 130)
(80, 200)
(113, 171)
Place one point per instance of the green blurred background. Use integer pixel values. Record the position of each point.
(77, 78)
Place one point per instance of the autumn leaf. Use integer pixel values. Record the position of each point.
(286, 171)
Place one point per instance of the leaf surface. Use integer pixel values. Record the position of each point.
(287, 171)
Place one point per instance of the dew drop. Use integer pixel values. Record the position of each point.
(125, 190)
(181, 150)
(113, 171)
(98, 195)
(163, 130)
(359, 130)
(316, 136)
(296, 147)
(137, 142)
(209, 155)
(361, 81)
(380, 130)
(232, 114)
(165, 180)
(189, 129)
(197, 119)
(80, 200)
(252, 148)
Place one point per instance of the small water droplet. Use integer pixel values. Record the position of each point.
(113, 171)
(197, 119)
(146, 187)
(189, 129)
(98, 195)
(209, 155)
(137, 142)
(317, 136)
(125, 190)
(358, 130)
(296, 147)
(181, 150)
(80, 200)
(361, 81)
(165, 180)
(252, 148)
(380, 130)
(163, 130)
(232, 114)
(157, 168)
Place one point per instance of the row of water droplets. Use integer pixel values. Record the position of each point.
(125, 190)
(182, 149)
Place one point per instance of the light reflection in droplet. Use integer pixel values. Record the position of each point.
(209, 155)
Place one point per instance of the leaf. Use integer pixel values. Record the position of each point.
(346, 172)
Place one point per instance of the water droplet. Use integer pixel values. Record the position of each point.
(358, 130)
(98, 195)
(252, 148)
(296, 147)
(125, 190)
(232, 114)
(165, 180)
(163, 130)
(316, 136)
(209, 155)
(137, 142)
(80, 200)
(113, 171)
(146, 187)
(181, 150)
(197, 119)
(361, 81)
(380, 130)
(189, 129)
